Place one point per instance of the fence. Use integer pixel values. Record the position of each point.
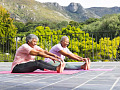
(98, 46)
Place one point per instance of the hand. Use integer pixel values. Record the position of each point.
(80, 59)
(85, 59)
(59, 58)
(55, 59)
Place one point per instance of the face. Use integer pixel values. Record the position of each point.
(32, 43)
(65, 43)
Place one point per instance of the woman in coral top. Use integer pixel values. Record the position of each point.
(24, 60)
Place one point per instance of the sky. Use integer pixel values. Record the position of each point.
(87, 3)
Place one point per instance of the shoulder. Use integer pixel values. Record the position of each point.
(57, 46)
(25, 45)
(37, 47)
(25, 48)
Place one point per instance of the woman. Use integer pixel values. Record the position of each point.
(61, 50)
(24, 60)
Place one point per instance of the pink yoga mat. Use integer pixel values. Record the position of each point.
(54, 72)
(97, 70)
(100, 70)
(41, 72)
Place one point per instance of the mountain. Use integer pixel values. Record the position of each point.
(101, 11)
(31, 10)
(74, 11)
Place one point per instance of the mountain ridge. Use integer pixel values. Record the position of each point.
(31, 10)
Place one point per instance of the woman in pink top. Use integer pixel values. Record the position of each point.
(61, 50)
(24, 60)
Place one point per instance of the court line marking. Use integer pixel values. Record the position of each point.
(90, 79)
(115, 83)
(44, 78)
(20, 75)
(29, 82)
(61, 81)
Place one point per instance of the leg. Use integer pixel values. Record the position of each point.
(39, 64)
(25, 67)
(54, 64)
(44, 65)
(70, 66)
(86, 66)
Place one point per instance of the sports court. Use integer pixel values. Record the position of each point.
(102, 76)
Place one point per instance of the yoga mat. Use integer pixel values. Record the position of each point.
(94, 70)
(54, 72)
(100, 69)
(42, 72)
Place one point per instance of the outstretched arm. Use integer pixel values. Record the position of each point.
(72, 56)
(41, 53)
(51, 54)
(81, 58)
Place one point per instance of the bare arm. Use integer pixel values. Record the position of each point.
(78, 56)
(51, 54)
(42, 54)
(72, 56)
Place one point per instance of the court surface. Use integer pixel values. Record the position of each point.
(106, 78)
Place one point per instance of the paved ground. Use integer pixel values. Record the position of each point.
(84, 80)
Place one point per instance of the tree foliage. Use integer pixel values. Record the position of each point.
(106, 23)
(81, 43)
(84, 39)
(7, 29)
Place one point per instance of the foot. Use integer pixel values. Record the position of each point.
(85, 66)
(60, 68)
(89, 62)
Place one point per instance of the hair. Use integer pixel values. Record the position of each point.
(30, 37)
(63, 38)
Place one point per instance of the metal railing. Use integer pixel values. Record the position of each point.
(98, 46)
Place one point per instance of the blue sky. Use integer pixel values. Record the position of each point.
(87, 3)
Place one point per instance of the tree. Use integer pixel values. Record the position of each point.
(106, 23)
(20, 26)
(91, 20)
(7, 30)
(73, 23)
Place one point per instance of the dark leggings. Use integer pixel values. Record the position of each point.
(32, 66)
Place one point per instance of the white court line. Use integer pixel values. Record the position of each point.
(60, 81)
(115, 83)
(28, 82)
(91, 79)
(18, 77)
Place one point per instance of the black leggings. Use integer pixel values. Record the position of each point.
(32, 66)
